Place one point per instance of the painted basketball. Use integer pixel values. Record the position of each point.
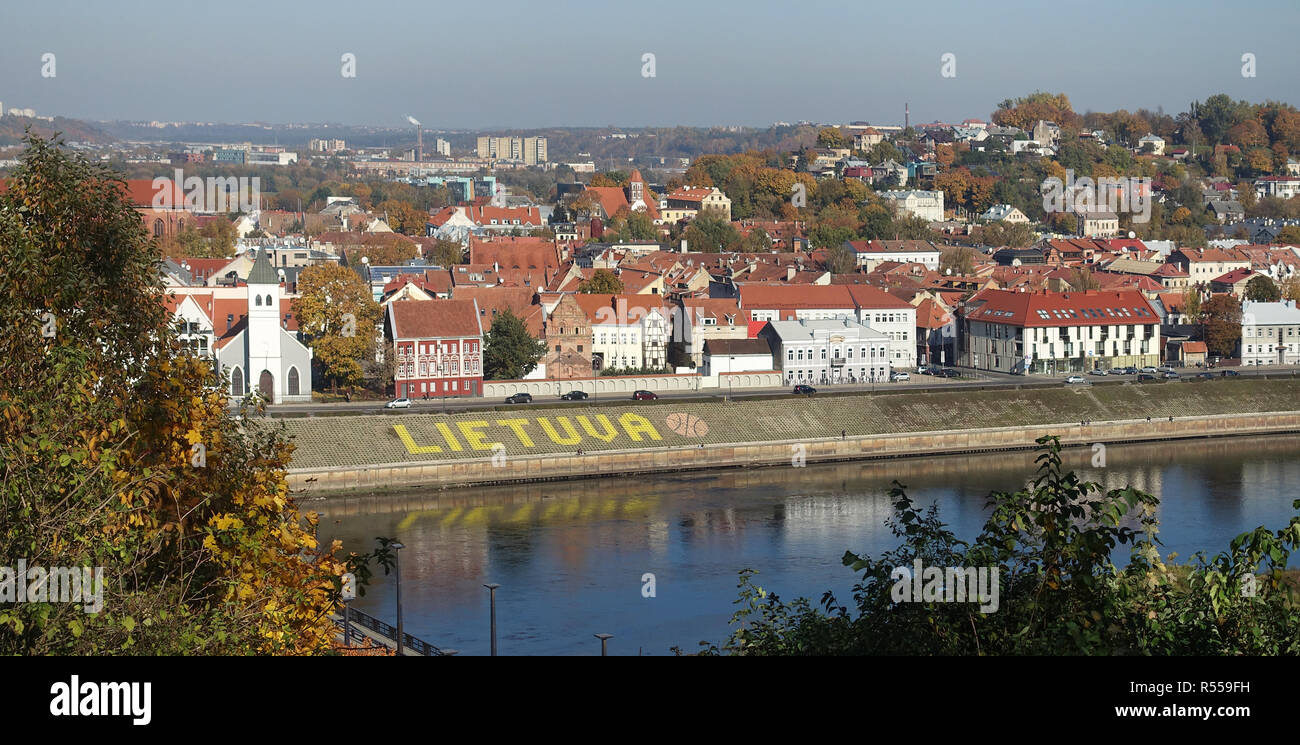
(687, 425)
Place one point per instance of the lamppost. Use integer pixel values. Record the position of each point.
(398, 546)
(603, 638)
(492, 595)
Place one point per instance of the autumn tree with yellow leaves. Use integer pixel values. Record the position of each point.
(119, 452)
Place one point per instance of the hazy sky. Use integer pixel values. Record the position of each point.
(502, 63)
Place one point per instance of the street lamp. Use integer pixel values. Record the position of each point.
(603, 638)
(492, 594)
(398, 546)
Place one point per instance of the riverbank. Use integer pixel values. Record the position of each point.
(521, 445)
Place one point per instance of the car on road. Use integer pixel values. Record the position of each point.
(520, 398)
(804, 390)
(1149, 370)
(898, 375)
(947, 372)
(644, 396)
(1206, 375)
(1098, 371)
(575, 396)
(1169, 375)
(1144, 377)
(1231, 374)
(1075, 379)
(398, 403)
(1130, 370)
(1166, 368)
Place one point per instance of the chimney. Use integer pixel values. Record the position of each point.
(789, 273)
(683, 245)
(230, 320)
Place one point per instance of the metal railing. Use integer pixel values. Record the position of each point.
(389, 632)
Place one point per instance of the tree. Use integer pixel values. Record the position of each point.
(841, 259)
(1290, 288)
(830, 137)
(1289, 234)
(404, 217)
(1262, 289)
(1221, 320)
(337, 315)
(1081, 279)
(509, 351)
(602, 282)
(1192, 305)
(709, 234)
(957, 259)
(446, 253)
(119, 453)
(1050, 547)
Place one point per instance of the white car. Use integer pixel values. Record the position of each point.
(899, 375)
(1148, 369)
(1098, 371)
(1075, 379)
(398, 403)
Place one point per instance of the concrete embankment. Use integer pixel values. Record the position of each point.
(374, 453)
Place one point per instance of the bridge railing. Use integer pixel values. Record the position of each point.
(388, 631)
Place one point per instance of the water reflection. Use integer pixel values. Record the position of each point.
(570, 555)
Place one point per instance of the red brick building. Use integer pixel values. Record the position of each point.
(439, 347)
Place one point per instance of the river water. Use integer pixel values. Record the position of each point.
(571, 557)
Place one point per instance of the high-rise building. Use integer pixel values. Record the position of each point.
(531, 150)
(444, 147)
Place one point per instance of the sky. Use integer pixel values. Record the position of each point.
(510, 64)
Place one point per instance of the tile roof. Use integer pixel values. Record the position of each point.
(1055, 309)
(430, 319)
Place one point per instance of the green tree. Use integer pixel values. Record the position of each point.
(1262, 289)
(602, 282)
(509, 351)
(1049, 547)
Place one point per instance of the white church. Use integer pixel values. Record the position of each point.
(252, 338)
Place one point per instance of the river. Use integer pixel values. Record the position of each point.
(571, 556)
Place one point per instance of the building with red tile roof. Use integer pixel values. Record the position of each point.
(1056, 333)
(439, 347)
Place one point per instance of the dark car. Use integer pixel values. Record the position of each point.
(520, 398)
(575, 396)
(644, 396)
(1206, 375)
(947, 372)
(1144, 377)
(1230, 373)
(805, 390)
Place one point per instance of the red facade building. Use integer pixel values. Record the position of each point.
(439, 347)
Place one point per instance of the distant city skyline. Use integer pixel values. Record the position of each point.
(581, 65)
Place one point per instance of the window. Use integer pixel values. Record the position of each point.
(257, 300)
(789, 355)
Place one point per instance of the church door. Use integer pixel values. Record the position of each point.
(267, 387)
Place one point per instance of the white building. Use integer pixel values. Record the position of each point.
(927, 205)
(829, 351)
(864, 304)
(1004, 213)
(628, 331)
(736, 355)
(1153, 144)
(872, 253)
(1056, 333)
(1270, 333)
